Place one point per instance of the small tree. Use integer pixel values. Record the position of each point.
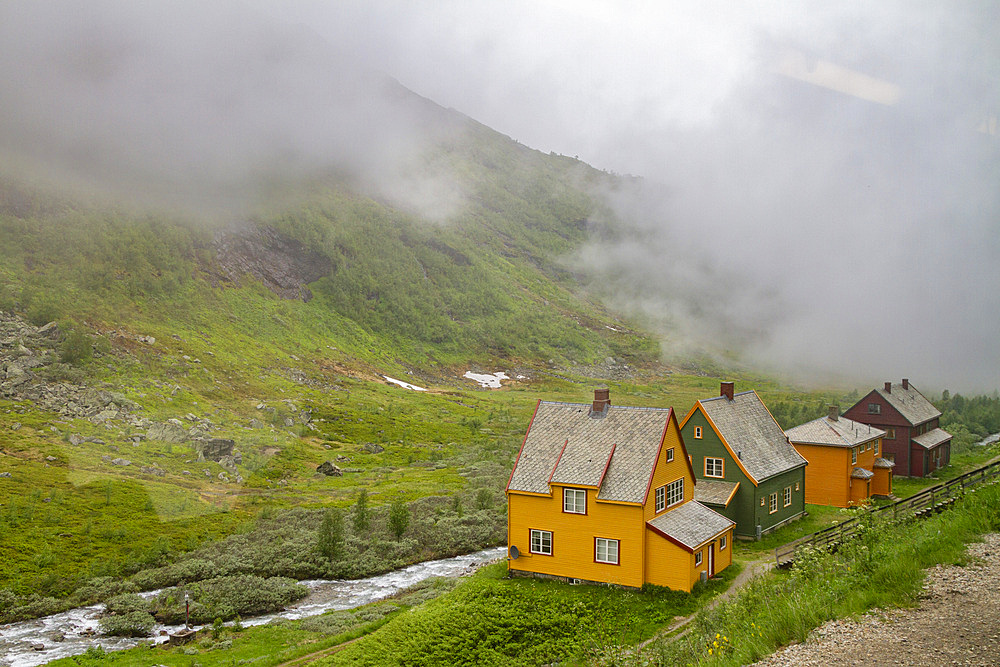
(361, 521)
(399, 518)
(331, 533)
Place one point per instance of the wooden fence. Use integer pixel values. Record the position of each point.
(933, 499)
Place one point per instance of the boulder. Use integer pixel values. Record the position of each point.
(329, 469)
(372, 448)
(171, 431)
(121, 462)
(214, 449)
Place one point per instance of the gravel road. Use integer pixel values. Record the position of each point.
(956, 623)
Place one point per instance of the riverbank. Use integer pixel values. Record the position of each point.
(72, 632)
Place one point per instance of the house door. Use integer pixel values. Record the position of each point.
(711, 560)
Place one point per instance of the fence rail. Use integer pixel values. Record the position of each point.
(928, 501)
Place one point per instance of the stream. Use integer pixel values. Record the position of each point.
(42, 640)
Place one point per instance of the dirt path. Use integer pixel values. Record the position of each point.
(956, 623)
(750, 570)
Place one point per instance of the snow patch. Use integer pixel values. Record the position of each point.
(404, 385)
(487, 381)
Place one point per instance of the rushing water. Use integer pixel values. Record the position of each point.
(72, 632)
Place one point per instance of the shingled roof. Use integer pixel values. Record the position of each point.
(691, 525)
(840, 432)
(752, 434)
(614, 450)
(932, 438)
(909, 402)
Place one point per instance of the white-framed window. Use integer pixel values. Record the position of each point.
(796, 486)
(875, 446)
(714, 467)
(788, 496)
(605, 550)
(675, 492)
(575, 501)
(722, 543)
(660, 497)
(541, 542)
(854, 455)
(670, 455)
(697, 559)
(874, 409)
(697, 433)
(772, 505)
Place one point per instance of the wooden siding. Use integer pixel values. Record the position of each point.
(573, 537)
(827, 475)
(672, 566)
(828, 478)
(664, 472)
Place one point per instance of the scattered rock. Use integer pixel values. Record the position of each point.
(153, 470)
(372, 448)
(51, 458)
(121, 462)
(256, 423)
(15, 426)
(49, 329)
(5, 474)
(76, 439)
(329, 469)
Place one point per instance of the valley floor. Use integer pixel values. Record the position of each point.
(956, 623)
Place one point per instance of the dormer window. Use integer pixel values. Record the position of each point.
(575, 501)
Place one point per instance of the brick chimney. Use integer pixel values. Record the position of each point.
(833, 412)
(906, 383)
(602, 399)
(888, 387)
(726, 389)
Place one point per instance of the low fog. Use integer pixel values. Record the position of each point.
(817, 188)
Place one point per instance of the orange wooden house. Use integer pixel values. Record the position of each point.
(602, 493)
(845, 460)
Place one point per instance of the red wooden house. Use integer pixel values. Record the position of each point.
(914, 440)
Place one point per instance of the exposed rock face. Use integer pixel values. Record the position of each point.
(283, 264)
(329, 469)
(214, 449)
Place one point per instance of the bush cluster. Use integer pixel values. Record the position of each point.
(226, 598)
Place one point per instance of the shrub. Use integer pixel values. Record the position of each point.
(129, 624)
(76, 347)
(228, 597)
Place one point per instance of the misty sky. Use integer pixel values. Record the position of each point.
(821, 181)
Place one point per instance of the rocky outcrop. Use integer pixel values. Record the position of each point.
(329, 469)
(214, 449)
(284, 265)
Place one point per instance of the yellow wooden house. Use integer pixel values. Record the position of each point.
(846, 466)
(602, 493)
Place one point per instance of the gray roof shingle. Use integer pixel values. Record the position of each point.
(841, 432)
(714, 491)
(692, 524)
(616, 452)
(883, 463)
(932, 438)
(751, 432)
(861, 473)
(910, 403)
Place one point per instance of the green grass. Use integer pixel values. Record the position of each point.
(493, 620)
(883, 567)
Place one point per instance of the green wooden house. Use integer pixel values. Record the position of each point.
(744, 466)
